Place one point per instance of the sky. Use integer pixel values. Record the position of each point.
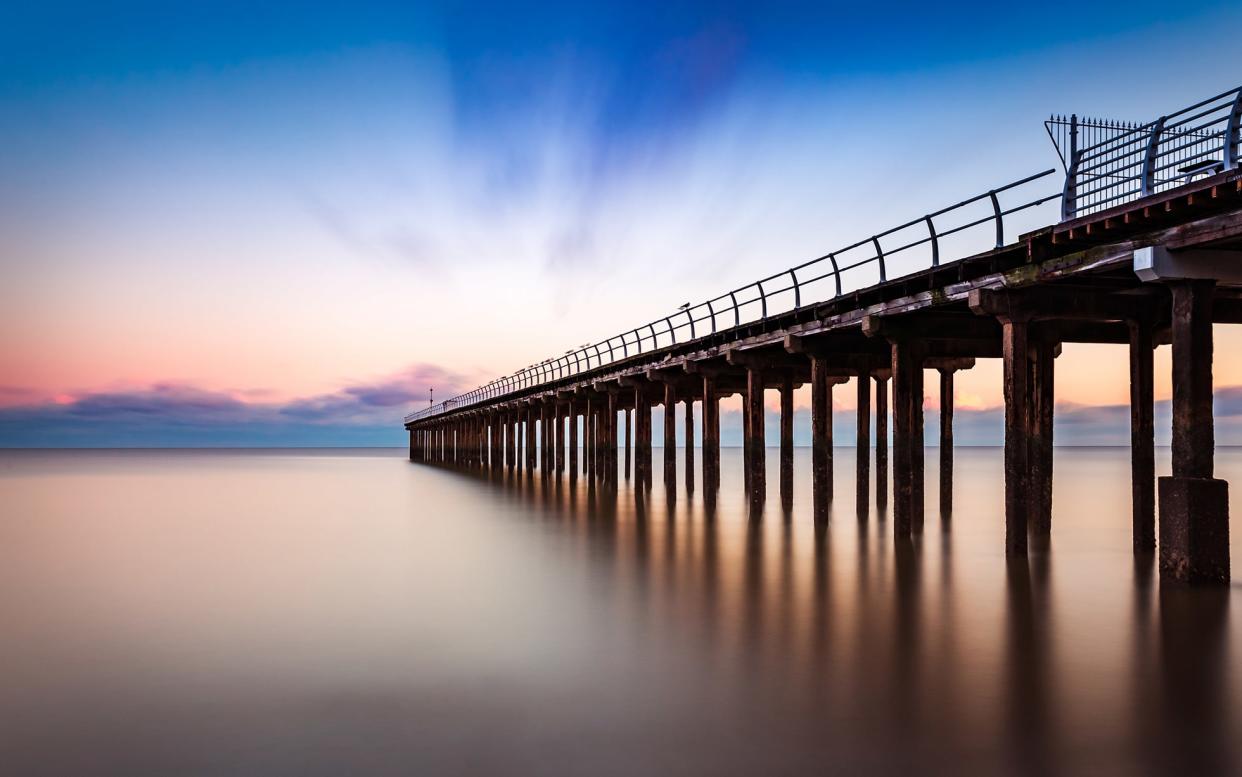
(283, 224)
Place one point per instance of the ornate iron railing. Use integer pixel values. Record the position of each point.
(909, 247)
(1117, 162)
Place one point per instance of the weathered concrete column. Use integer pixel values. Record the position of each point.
(611, 472)
(1194, 506)
(670, 437)
(821, 437)
(1014, 347)
(642, 449)
(511, 439)
(787, 411)
(588, 439)
(863, 443)
(946, 443)
(711, 437)
(528, 437)
(1142, 436)
(689, 445)
(907, 437)
(1043, 355)
(573, 442)
(756, 466)
(558, 437)
(628, 442)
(881, 439)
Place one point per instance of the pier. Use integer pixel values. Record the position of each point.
(1146, 252)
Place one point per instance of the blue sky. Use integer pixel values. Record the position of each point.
(230, 222)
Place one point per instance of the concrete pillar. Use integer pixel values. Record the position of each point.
(511, 439)
(881, 440)
(821, 437)
(756, 467)
(907, 437)
(1043, 354)
(711, 437)
(529, 435)
(946, 443)
(413, 443)
(573, 442)
(1194, 506)
(863, 443)
(642, 450)
(670, 437)
(786, 421)
(689, 445)
(1142, 436)
(611, 472)
(628, 442)
(1014, 346)
(588, 439)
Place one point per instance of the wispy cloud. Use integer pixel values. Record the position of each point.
(179, 414)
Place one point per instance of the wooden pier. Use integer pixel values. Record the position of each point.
(1154, 270)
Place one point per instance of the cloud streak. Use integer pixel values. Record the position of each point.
(175, 414)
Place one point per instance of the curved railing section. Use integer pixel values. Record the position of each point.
(1134, 161)
(915, 245)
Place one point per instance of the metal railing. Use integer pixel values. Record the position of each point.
(881, 257)
(1119, 162)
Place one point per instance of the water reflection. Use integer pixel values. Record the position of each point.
(503, 622)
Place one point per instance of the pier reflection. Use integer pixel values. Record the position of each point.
(879, 650)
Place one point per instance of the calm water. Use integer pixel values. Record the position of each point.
(330, 613)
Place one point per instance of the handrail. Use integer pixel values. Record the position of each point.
(1128, 161)
(786, 282)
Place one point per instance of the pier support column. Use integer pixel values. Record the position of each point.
(863, 443)
(881, 439)
(629, 444)
(1194, 506)
(946, 444)
(588, 438)
(689, 445)
(1014, 347)
(787, 412)
(1043, 396)
(642, 439)
(528, 436)
(670, 437)
(821, 437)
(573, 442)
(907, 437)
(711, 438)
(1142, 436)
(756, 466)
(511, 440)
(611, 459)
(558, 438)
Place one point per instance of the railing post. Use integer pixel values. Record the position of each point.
(836, 272)
(737, 316)
(935, 241)
(669, 322)
(1149, 158)
(797, 290)
(879, 254)
(1000, 219)
(690, 318)
(763, 301)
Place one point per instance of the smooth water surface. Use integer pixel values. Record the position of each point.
(349, 612)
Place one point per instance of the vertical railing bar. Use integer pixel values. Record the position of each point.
(797, 290)
(1000, 219)
(879, 254)
(935, 241)
(836, 272)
